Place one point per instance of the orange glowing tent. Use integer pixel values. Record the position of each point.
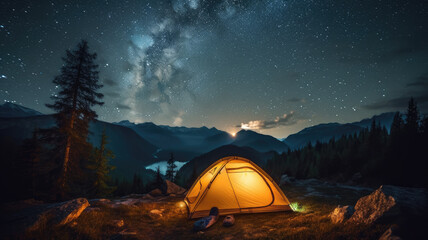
(234, 185)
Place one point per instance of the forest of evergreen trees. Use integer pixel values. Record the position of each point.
(371, 157)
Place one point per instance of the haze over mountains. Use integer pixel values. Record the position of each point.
(139, 145)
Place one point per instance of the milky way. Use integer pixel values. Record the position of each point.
(272, 66)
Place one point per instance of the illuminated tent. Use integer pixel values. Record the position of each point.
(234, 185)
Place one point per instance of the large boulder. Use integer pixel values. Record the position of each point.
(341, 213)
(390, 201)
(58, 214)
(155, 192)
(69, 211)
(172, 188)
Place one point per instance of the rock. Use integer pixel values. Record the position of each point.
(157, 212)
(390, 201)
(390, 234)
(97, 201)
(118, 223)
(172, 188)
(92, 209)
(341, 213)
(156, 192)
(284, 180)
(147, 197)
(127, 202)
(60, 213)
(69, 211)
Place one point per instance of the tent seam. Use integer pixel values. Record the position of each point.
(239, 205)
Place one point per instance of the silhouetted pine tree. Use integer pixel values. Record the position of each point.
(170, 168)
(122, 187)
(158, 181)
(137, 184)
(413, 157)
(30, 168)
(393, 161)
(100, 169)
(78, 85)
(412, 118)
(397, 124)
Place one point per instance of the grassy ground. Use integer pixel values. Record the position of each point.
(316, 202)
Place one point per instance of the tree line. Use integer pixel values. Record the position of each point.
(373, 156)
(147, 180)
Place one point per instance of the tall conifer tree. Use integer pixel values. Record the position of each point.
(170, 168)
(412, 118)
(101, 168)
(78, 93)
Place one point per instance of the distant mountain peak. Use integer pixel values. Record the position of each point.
(125, 123)
(246, 131)
(12, 110)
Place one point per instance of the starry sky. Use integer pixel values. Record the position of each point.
(272, 66)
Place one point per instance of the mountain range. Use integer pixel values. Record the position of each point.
(187, 143)
(11, 110)
(139, 145)
(136, 145)
(132, 152)
(325, 132)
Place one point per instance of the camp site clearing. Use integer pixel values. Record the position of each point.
(167, 218)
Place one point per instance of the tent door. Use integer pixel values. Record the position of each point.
(250, 187)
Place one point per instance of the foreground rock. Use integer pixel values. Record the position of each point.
(167, 188)
(157, 212)
(341, 213)
(59, 214)
(155, 192)
(69, 211)
(172, 188)
(390, 201)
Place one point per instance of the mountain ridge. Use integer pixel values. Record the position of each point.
(12, 110)
(132, 152)
(187, 143)
(325, 131)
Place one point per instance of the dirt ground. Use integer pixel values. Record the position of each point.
(166, 218)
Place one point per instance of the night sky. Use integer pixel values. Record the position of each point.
(272, 66)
